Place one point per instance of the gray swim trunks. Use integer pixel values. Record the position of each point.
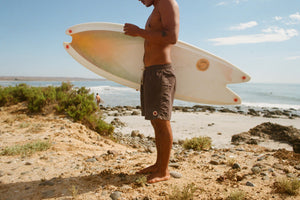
(157, 92)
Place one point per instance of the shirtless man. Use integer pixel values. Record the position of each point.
(158, 83)
(98, 99)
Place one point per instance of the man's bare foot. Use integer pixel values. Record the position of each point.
(150, 169)
(157, 177)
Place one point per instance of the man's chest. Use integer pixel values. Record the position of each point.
(154, 21)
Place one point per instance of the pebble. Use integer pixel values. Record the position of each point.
(112, 152)
(240, 149)
(115, 195)
(175, 174)
(236, 166)
(249, 184)
(135, 133)
(261, 158)
(255, 170)
(265, 178)
(91, 160)
(278, 166)
(214, 162)
(291, 175)
(175, 165)
(297, 167)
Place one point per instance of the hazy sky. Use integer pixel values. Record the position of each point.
(261, 37)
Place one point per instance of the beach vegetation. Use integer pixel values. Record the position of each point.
(26, 149)
(230, 162)
(74, 191)
(186, 193)
(141, 181)
(77, 104)
(237, 195)
(198, 143)
(287, 186)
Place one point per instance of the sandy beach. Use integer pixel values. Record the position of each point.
(219, 126)
(81, 164)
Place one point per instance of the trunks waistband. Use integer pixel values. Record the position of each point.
(158, 67)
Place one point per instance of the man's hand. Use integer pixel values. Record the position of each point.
(132, 30)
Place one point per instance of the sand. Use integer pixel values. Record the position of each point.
(81, 164)
(219, 126)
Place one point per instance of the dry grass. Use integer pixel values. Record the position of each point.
(237, 195)
(287, 186)
(26, 149)
(187, 193)
(198, 143)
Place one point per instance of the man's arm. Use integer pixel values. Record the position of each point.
(169, 14)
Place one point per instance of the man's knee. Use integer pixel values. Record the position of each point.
(159, 123)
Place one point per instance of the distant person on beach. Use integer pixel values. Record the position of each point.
(158, 82)
(98, 99)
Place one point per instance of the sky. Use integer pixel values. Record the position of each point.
(261, 37)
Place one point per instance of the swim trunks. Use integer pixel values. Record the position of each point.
(157, 92)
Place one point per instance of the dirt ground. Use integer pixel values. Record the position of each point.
(81, 164)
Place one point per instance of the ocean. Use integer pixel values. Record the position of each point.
(257, 95)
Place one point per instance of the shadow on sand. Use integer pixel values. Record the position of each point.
(65, 187)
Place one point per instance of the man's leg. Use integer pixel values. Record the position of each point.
(164, 141)
(153, 168)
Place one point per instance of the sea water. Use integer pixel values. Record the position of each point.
(267, 95)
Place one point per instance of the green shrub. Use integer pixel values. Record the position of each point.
(50, 94)
(198, 143)
(78, 104)
(36, 100)
(97, 124)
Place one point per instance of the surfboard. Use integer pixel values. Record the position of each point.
(201, 76)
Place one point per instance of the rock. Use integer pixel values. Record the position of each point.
(278, 166)
(296, 147)
(214, 162)
(249, 184)
(265, 178)
(236, 166)
(115, 195)
(296, 167)
(175, 174)
(277, 132)
(261, 158)
(112, 152)
(135, 113)
(149, 149)
(253, 112)
(291, 175)
(135, 133)
(175, 165)
(256, 170)
(244, 137)
(91, 160)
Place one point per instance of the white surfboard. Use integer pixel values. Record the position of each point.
(201, 76)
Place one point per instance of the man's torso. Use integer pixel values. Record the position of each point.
(156, 53)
